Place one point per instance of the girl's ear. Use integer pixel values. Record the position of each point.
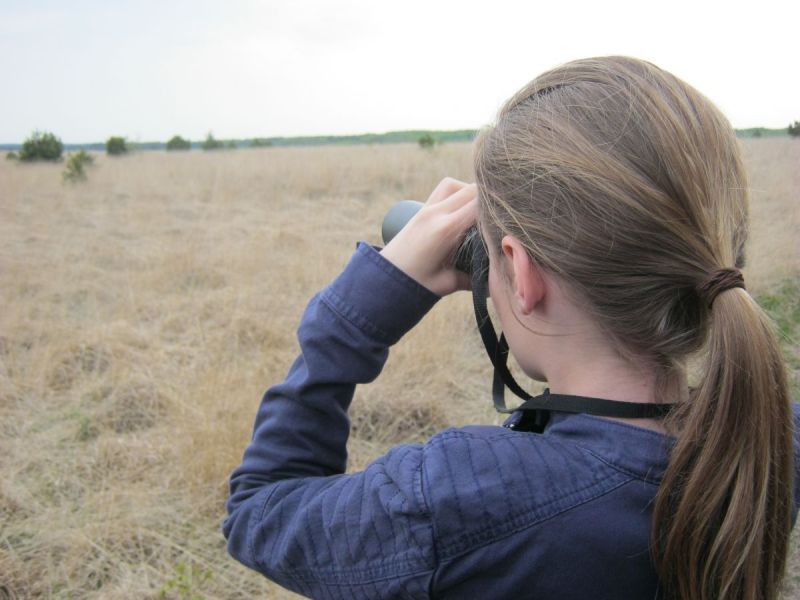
(526, 277)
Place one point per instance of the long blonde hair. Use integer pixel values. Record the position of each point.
(628, 184)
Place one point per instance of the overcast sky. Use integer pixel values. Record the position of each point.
(149, 69)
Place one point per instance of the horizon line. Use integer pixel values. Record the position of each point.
(326, 136)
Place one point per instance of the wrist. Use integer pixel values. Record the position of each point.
(377, 296)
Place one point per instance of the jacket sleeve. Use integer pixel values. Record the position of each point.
(293, 514)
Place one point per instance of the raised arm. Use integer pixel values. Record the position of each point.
(293, 515)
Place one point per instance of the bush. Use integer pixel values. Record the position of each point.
(260, 143)
(783, 305)
(231, 145)
(426, 141)
(74, 171)
(212, 144)
(12, 156)
(178, 143)
(116, 146)
(794, 129)
(41, 146)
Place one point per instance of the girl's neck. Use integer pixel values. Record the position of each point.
(599, 374)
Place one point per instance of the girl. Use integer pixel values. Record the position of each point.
(612, 201)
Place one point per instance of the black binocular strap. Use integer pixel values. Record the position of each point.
(497, 349)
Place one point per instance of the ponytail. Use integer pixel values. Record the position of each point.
(722, 515)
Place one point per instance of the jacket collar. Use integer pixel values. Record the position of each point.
(641, 452)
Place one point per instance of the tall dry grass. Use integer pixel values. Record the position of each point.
(145, 312)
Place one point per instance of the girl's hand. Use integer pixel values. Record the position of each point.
(424, 248)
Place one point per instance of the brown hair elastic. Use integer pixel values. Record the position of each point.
(719, 281)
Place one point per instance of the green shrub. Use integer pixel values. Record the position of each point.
(86, 429)
(75, 170)
(260, 143)
(212, 144)
(794, 129)
(12, 156)
(41, 146)
(783, 306)
(426, 141)
(187, 581)
(231, 145)
(176, 142)
(115, 146)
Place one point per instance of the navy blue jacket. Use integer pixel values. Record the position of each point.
(477, 512)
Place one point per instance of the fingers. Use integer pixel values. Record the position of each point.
(460, 198)
(424, 248)
(461, 208)
(463, 195)
(446, 187)
(455, 212)
(467, 214)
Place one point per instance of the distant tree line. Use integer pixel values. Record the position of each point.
(46, 146)
(758, 132)
(118, 146)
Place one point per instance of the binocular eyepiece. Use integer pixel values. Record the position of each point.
(469, 255)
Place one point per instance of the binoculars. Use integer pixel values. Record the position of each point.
(470, 254)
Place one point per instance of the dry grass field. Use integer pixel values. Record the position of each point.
(146, 310)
